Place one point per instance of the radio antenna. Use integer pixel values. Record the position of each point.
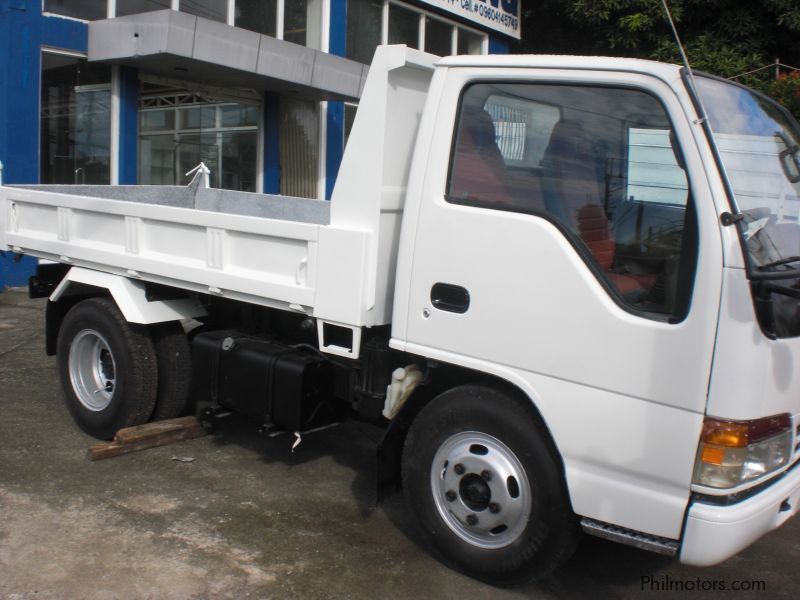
(685, 60)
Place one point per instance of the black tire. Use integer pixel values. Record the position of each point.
(129, 400)
(468, 422)
(174, 370)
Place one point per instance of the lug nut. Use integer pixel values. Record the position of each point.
(451, 495)
(494, 508)
(472, 520)
(459, 469)
(487, 475)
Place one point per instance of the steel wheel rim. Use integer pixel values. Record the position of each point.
(92, 370)
(481, 490)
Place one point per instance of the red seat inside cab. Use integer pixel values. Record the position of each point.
(572, 188)
(478, 168)
(480, 173)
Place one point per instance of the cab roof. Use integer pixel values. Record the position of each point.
(555, 61)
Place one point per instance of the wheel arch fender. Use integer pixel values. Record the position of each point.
(439, 379)
(129, 295)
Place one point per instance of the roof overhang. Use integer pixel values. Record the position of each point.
(178, 45)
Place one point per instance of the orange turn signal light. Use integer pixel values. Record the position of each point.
(713, 456)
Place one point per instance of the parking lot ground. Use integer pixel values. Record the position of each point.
(249, 518)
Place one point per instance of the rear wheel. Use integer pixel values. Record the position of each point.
(488, 492)
(174, 370)
(107, 368)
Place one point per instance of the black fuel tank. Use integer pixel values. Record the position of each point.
(290, 387)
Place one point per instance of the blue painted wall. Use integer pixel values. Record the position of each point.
(498, 45)
(334, 143)
(26, 31)
(128, 125)
(272, 149)
(23, 32)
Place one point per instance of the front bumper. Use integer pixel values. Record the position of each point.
(715, 533)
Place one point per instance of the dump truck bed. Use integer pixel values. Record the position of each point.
(332, 260)
(252, 247)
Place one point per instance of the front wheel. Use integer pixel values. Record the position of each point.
(488, 492)
(108, 368)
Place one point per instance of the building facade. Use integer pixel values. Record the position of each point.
(261, 91)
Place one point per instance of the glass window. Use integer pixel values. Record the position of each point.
(132, 7)
(349, 118)
(365, 23)
(216, 10)
(758, 143)
(601, 163)
(198, 117)
(257, 15)
(363, 29)
(403, 26)
(469, 42)
(295, 21)
(174, 140)
(653, 172)
(157, 160)
(238, 115)
(157, 120)
(88, 10)
(438, 37)
(238, 160)
(75, 121)
(299, 148)
(759, 146)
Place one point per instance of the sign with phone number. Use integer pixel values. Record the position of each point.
(499, 15)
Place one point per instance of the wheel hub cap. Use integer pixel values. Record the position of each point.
(481, 489)
(92, 370)
(474, 492)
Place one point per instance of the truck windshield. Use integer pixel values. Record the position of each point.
(758, 143)
(759, 146)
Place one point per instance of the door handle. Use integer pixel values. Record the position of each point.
(450, 298)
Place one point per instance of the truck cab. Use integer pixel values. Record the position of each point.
(573, 236)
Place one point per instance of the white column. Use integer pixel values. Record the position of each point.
(385, 23)
(114, 129)
(325, 38)
(279, 20)
(323, 149)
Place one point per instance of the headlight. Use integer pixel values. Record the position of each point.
(734, 452)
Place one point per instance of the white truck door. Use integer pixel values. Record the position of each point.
(565, 243)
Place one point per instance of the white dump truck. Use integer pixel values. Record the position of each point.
(568, 288)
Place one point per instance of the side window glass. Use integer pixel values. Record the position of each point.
(602, 163)
(653, 172)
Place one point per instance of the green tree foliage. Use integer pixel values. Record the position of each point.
(786, 90)
(724, 37)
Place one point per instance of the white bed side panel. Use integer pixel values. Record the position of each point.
(248, 258)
